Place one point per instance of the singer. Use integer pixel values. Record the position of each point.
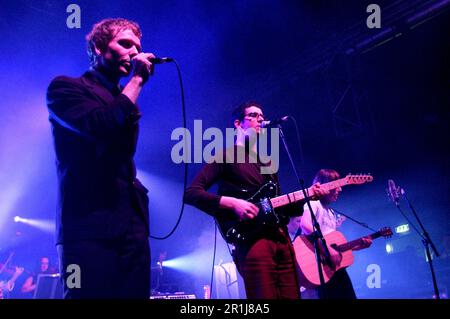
(102, 213)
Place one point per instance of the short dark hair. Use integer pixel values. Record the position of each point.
(104, 31)
(326, 175)
(239, 111)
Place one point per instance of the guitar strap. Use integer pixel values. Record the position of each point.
(337, 213)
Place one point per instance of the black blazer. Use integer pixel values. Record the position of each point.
(95, 135)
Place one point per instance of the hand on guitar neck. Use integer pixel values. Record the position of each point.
(336, 256)
(318, 192)
(365, 242)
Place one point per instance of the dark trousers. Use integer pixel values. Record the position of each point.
(338, 287)
(268, 270)
(110, 269)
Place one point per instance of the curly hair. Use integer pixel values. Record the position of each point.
(104, 31)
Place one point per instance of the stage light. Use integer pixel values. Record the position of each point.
(402, 229)
(44, 225)
(178, 263)
(389, 248)
(19, 219)
(190, 263)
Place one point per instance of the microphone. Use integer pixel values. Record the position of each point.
(394, 192)
(130, 65)
(161, 60)
(271, 123)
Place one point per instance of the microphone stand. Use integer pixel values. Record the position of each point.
(316, 235)
(426, 241)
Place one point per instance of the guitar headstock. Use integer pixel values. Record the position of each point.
(358, 179)
(386, 232)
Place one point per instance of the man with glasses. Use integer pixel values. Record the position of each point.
(266, 261)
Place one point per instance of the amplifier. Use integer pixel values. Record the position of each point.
(173, 296)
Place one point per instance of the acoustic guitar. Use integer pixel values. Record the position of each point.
(306, 257)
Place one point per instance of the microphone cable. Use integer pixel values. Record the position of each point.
(214, 258)
(183, 109)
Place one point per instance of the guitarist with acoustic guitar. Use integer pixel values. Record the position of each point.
(7, 285)
(340, 285)
(264, 255)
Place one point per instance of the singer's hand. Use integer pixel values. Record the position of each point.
(143, 68)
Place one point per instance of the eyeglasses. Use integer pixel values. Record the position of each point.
(254, 115)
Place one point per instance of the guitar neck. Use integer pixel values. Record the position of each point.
(298, 195)
(352, 244)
